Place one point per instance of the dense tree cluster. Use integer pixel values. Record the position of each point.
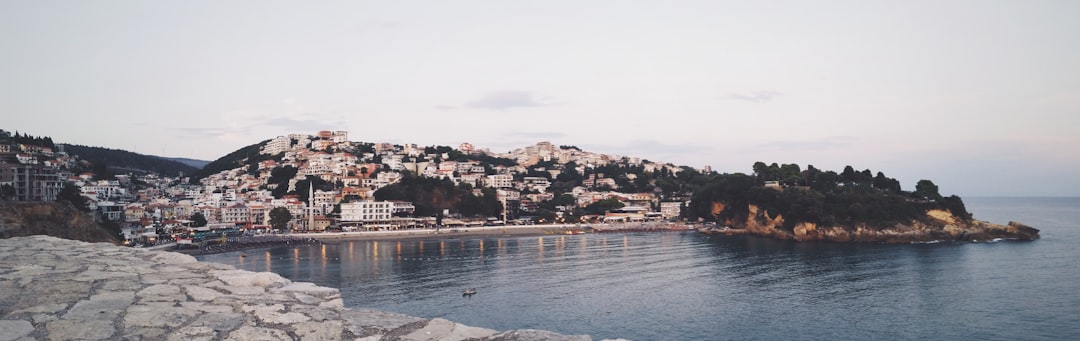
(22, 138)
(71, 194)
(105, 162)
(431, 196)
(823, 197)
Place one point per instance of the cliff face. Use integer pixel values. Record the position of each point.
(49, 218)
(941, 226)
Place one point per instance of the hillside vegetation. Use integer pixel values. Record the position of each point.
(121, 161)
(827, 198)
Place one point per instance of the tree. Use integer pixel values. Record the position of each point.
(279, 218)
(605, 205)
(926, 189)
(198, 219)
(72, 195)
(7, 191)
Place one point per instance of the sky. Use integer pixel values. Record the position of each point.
(981, 97)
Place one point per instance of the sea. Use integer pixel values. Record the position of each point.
(689, 286)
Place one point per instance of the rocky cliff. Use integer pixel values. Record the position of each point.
(940, 225)
(58, 219)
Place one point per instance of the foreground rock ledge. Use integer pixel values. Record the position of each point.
(58, 289)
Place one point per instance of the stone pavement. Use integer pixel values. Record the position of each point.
(57, 289)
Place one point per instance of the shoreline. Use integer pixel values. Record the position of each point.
(444, 233)
(65, 290)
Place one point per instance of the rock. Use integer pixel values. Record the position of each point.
(193, 334)
(329, 330)
(939, 225)
(161, 293)
(248, 333)
(536, 335)
(80, 330)
(14, 329)
(163, 316)
(201, 294)
(242, 278)
(309, 289)
(367, 322)
(103, 306)
(440, 329)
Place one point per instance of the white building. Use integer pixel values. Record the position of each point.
(500, 181)
(670, 209)
(235, 214)
(367, 212)
(340, 136)
(277, 145)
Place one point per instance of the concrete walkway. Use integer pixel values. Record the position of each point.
(57, 289)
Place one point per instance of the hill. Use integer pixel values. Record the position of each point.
(243, 157)
(190, 162)
(783, 201)
(122, 161)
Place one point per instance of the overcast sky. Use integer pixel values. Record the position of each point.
(982, 97)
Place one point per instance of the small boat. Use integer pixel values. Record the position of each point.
(469, 292)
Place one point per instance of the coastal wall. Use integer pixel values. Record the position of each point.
(59, 289)
(941, 226)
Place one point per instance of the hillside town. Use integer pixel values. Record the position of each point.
(328, 183)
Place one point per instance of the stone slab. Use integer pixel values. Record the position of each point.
(14, 329)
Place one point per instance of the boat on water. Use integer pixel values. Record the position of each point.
(469, 292)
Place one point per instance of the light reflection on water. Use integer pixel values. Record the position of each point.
(685, 286)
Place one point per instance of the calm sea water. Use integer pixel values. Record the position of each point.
(686, 286)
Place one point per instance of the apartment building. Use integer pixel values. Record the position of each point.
(32, 182)
(367, 212)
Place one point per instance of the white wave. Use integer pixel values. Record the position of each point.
(929, 242)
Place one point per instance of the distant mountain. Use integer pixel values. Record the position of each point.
(190, 162)
(122, 161)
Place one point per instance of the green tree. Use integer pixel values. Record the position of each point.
(279, 218)
(926, 189)
(605, 205)
(7, 191)
(71, 194)
(955, 205)
(198, 219)
(318, 183)
(886, 184)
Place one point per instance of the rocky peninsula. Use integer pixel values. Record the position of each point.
(938, 225)
(59, 289)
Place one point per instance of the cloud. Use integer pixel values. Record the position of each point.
(245, 125)
(536, 134)
(825, 143)
(204, 132)
(655, 151)
(507, 99)
(304, 124)
(760, 96)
